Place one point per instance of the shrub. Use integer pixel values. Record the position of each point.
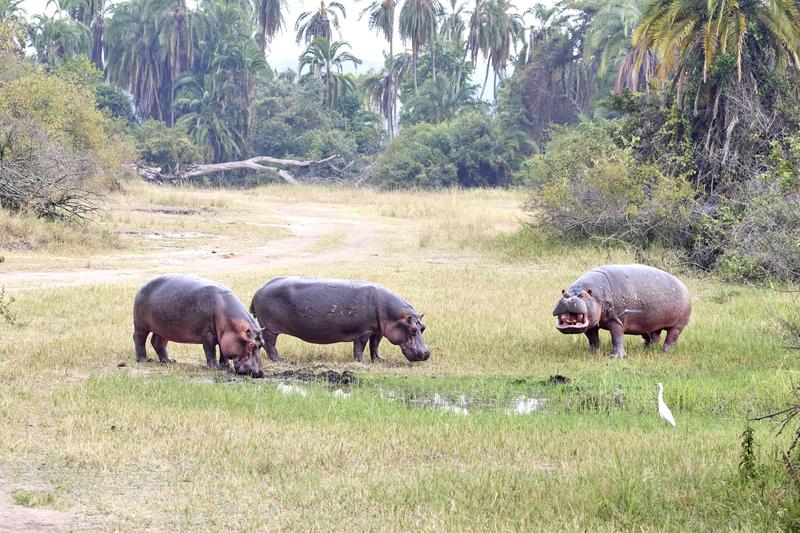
(417, 158)
(115, 101)
(468, 151)
(589, 187)
(39, 175)
(165, 147)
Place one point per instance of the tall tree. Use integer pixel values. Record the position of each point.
(319, 23)
(418, 23)
(452, 26)
(506, 29)
(381, 88)
(381, 15)
(271, 15)
(57, 39)
(718, 49)
(206, 115)
(328, 59)
(149, 47)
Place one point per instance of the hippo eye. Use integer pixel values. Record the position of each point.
(422, 329)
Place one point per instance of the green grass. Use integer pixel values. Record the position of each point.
(173, 447)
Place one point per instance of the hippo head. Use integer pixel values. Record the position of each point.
(577, 311)
(242, 345)
(406, 332)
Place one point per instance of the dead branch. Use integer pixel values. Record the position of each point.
(254, 163)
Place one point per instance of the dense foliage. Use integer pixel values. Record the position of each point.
(647, 123)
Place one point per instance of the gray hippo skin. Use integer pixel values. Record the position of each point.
(625, 300)
(196, 311)
(325, 311)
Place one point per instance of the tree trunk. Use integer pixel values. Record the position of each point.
(414, 67)
(460, 73)
(485, 78)
(255, 163)
(433, 59)
(393, 88)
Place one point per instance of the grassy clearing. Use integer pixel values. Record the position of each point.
(171, 448)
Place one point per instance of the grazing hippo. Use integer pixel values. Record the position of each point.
(196, 311)
(625, 299)
(324, 311)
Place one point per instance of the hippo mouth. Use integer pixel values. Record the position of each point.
(572, 322)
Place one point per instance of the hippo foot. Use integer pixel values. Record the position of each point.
(276, 359)
(166, 361)
(377, 358)
(618, 355)
(144, 360)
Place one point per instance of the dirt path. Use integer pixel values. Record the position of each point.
(19, 519)
(310, 226)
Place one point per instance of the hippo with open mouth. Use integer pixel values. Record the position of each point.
(625, 300)
(326, 311)
(196, 311)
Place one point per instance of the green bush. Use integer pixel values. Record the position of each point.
(587, 186)
(165, 147)
(468, 151)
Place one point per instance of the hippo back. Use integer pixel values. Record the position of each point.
(641, 289)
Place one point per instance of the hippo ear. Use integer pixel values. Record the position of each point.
(422, 315)
(563, 292)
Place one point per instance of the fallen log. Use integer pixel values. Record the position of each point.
(254, 163)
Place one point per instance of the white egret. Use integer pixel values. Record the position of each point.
(663, 410)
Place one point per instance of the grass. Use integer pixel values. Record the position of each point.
(175, 448)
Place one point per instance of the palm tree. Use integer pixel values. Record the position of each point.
(327, 59)
(691, 39)
(452, 26)
(381, 89)
(175, 45)
(680, 30)
(319, 23)
(506, 28)
(547, 24)
(92, 14)
(208, 116)
(134, 55)
(57, 39)
(418, 23)
(271, 19)
(381, 19)
(223, 47)
(608, 42)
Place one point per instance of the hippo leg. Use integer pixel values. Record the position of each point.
(210, 349)
(672, 337)
(617, 336)
(652, 339)
(374, 341)
(358, 348)
(160, 346)
(139, 340)
(594, 339)
(269, 345)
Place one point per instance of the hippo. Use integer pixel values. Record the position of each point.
(197, 311)
(325, 311)
(625, 299)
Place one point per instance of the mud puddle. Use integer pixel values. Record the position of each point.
(464, 405)
(343, 384)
